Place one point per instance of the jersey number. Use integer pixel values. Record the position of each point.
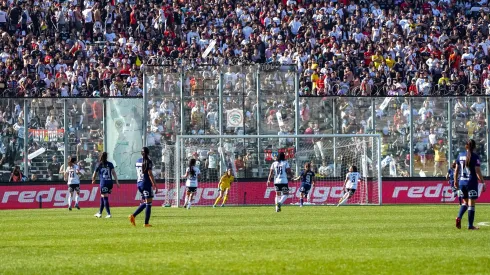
(71, 174)
(308, 179)
(465, 171)
(279, 170)
(105, 173)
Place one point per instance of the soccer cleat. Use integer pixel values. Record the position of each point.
(77, 207)
(300, 205)
(188, 206)
(132, 220)
(97, 215)
(473, 228)
(185, 205)
(278, 207)
(69, 208)
(458, 223)
(214, 206)
(222, 205)
(108, 216)
(148, 225)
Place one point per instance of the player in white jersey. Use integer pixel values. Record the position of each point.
(191, 174)
(350, 184)
(282, 172)
(71, 176)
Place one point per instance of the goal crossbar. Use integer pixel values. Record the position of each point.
(179, 138)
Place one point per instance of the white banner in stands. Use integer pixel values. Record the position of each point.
(234, 118)
(385, 103)
(209, 48)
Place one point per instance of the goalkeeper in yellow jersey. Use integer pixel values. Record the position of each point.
(224, 186)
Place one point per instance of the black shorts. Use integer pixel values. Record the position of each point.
(305, 188)
(470, 191)
(282, 187)
(191, 189)
(146, 191)
(73, 188)
(106, 189)
(351, 191)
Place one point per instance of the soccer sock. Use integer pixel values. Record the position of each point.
(462, 210)
(225, 199)
(186, 200)
(140, 209)
(301, 201)
(276, 200)
(106, 202)
(69, 200)
(283, 198)
(217, 200)
(76, 199)
(148, 212)
(101, 208)
(471, 215)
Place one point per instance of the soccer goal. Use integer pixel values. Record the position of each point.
(250, 158)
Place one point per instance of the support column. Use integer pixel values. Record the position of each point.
(487, 149)
(66, 134)
(411, 137)
(450, 130)
(296, 119)
(145, 112)
(26, 138)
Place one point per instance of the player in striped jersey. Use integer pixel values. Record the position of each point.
(106, 172)
(146, 184)
(307, 181)
(282, 172)
(71, 176)
(224, 187)
(191, 173)
(350, 184)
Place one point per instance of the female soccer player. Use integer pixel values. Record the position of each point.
(282, 172)
(467, 174)
(71, 176)
(106, 172)
(307, 181)
(224, 186)
(191, 174)
(350, 184)
(146, 184)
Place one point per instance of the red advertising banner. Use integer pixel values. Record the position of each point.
(417, 191)
(421, 191)
(241, 193)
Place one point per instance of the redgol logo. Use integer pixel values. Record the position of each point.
(58, 196)
(440, 190)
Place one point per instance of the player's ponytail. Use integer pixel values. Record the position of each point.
(103, 158)
(146, 160)
(192, 163)
(470, 146)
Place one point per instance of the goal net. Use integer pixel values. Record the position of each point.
(250, 158)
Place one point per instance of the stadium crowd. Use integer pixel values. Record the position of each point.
(98, 48)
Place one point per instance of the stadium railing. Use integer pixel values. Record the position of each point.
(200, 98)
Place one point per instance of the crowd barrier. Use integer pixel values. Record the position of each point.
(244, 192)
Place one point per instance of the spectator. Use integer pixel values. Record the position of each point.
(16, 175)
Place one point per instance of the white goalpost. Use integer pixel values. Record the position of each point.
(250, 158)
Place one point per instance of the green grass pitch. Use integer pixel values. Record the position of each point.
(246, 240)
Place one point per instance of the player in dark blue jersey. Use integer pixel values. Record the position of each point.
(307, 181)
(450, 179)
(467, 175)
(106, 173)
(146, 185)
